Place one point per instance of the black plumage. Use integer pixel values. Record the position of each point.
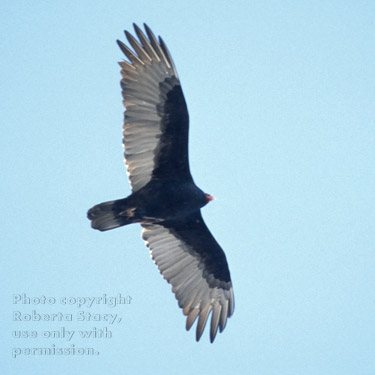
(165, 199)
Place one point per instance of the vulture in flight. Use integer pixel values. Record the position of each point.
(165, 200)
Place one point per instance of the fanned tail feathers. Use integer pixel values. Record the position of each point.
(110, 215)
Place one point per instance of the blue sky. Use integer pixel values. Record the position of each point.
(281, 103)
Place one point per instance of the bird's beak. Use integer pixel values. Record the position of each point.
(210, 198)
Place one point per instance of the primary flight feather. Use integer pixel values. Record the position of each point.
(165, 199)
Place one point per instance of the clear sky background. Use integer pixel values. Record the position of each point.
(281, 102)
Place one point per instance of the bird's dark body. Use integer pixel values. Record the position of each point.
(170, 201)
(165, 200)
(159, 201)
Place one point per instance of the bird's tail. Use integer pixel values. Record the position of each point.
(110, 215)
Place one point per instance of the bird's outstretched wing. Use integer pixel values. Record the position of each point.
(156, 118)
(191, 260)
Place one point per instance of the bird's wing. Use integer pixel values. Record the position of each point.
(191, 260)
(156, 121)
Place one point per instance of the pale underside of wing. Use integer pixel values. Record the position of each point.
(148, 77)
(197, 290)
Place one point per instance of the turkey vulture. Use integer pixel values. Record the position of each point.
(165, 200)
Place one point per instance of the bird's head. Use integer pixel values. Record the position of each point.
(209, 197)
